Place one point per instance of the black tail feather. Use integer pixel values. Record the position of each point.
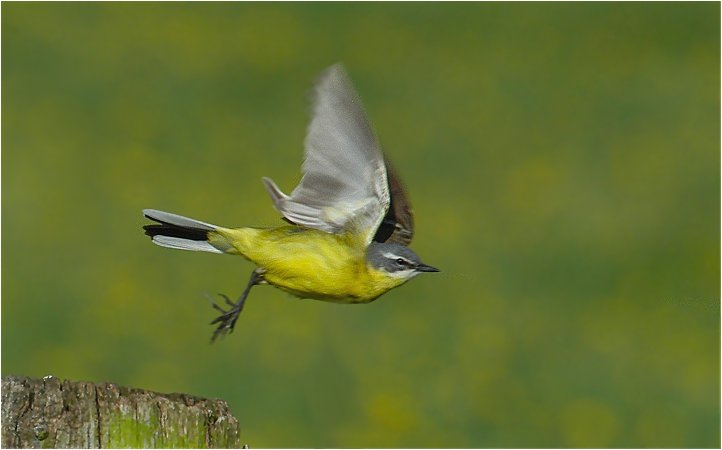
(165, 229)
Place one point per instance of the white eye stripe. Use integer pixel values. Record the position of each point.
(390, 255)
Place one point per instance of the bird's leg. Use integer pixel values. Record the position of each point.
(227, 320)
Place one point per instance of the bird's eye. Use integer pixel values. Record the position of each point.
(402, 262)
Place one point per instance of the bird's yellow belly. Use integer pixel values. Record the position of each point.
(309, 263)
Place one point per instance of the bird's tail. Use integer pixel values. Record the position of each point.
(174, 231)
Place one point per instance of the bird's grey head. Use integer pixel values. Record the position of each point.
(397, 260)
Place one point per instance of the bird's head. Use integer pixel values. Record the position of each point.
(397, 260)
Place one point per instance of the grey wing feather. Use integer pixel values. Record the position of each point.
(344, 183)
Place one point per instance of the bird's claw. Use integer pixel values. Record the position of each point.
(227, 319)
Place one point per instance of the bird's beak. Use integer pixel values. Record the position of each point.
(426, 268)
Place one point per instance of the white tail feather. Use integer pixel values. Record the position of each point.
(185, 244)
(175, 219)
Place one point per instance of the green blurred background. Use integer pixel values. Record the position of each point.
(563, 161)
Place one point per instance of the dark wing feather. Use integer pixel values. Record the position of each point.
(398, 223)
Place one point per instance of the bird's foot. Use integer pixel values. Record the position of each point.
(227, 320)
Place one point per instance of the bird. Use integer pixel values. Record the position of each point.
(349, 219)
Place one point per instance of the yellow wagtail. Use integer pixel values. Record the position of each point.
(350, 218)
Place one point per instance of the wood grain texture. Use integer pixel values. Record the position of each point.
(50, 413)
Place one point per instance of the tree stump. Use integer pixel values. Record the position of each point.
(49, 413)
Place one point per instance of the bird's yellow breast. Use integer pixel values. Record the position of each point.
(312, 264)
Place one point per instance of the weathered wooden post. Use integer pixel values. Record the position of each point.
(49, 413)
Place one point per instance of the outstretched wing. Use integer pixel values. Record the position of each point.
(344, 185)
